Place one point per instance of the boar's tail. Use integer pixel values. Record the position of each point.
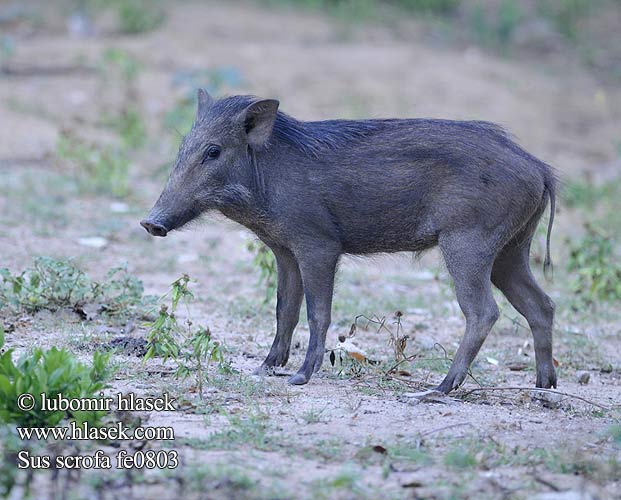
(550, 188)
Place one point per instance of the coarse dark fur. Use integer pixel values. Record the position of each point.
(313, 191)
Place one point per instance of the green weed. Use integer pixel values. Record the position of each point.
(265, 262)
(130, 127)
(251, 429)
(214, 80)
(406, 452)
(52, 372)
(585, 194)
(121, 62)
(439, 7)
(197, 349)
(347, 481)
(496, 28)
(313, 416)
(566, 15)
(231, 481)
(595, 267)
(357, 10)
(7, 49)
(36, 198)
(139, 16)
(53, 284)
(460, 458)
(98, 169)
(614, 432)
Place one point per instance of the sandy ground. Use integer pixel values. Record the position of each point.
(341, 436)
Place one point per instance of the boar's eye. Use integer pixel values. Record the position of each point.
(211, 153)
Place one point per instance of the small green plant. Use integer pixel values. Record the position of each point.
(250, 429)
(139, 16)
(586, 194)
(215, 80)
(595, 267)
(7, 49)
(566, 15)
(496, 29)
(98, 169)
(53, 372)
(49, 284)
(347, 483)
(614, 432)
(409, 452)
(120, 66)
(460, 458)
(120, 292)
(265, 261)
(54, 284)
(313, 416)
(161, 338)
(197, 349)
(233, 481)
(443, 7)
(130, 127)
(120, 61)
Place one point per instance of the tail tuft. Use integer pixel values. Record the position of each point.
(548, 267)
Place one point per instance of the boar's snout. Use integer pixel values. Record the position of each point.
(154, 228)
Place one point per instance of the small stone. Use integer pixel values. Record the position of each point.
(184, 258)
(583, 377)
(119, 207)
(547, 399)
(93, 242)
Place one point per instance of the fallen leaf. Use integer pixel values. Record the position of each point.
(357, 355)
(412, 484)
(517, 366)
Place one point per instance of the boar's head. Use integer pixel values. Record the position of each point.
(213, 169)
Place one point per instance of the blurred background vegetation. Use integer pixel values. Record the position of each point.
(109, 52)
(118, 121)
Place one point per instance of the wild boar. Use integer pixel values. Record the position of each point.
(315, 190)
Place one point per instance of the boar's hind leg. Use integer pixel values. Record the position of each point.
(288, 302)
(512, 276)
(318, 268)
(470, 263)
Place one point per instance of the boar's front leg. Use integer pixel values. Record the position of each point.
(318, 266)
(288, 302)
(469, 256)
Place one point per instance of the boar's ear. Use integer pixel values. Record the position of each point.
(259, 120)
(204, 102)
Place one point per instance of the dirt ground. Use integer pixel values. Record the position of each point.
(348, 433)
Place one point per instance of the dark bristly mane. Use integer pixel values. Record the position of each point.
(311, 137)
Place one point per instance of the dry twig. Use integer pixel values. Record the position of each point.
(537, 389)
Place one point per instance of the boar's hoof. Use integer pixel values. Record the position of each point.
(546, 377)
(452, 381)
(264, 370)
(261, 371)
(298, 379)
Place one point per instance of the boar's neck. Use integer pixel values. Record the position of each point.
(252, 200)
(245, 201)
